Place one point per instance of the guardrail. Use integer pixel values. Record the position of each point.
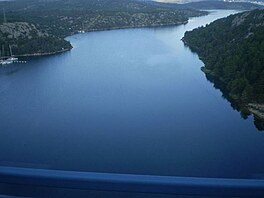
(132, 182)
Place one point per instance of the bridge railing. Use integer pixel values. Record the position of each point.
(132, 183)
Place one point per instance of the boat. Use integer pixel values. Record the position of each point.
(9, 60)
(6, 62)
(12, 59)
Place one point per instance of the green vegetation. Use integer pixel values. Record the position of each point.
(48, 22)
(25, 38)
(233, 52)
(37, 26)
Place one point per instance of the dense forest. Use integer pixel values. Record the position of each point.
(39, 27)
(233, 52)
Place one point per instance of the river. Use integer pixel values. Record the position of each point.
(125, 101)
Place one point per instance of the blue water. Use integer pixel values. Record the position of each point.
(125, 101)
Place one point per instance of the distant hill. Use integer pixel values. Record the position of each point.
(211, 4)
(179, 1)
(190, 1)
(233, 52)
(208, 5)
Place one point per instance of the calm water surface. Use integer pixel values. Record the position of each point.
(126, 101)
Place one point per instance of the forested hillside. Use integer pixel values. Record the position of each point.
(233, 52)
(26, 38)
(56, 19)
(50, 21)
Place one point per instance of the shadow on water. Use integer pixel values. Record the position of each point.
(236, 105)
(259, 124)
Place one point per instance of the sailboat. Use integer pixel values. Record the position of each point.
(3, 61)
(9, 60)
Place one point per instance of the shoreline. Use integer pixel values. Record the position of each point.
(256, 109)
(43, 54)
(99, 30)
(135, 27)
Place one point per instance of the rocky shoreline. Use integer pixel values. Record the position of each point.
(254, 108)
(257, 110)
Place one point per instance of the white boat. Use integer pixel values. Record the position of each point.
(6, 62)
(12, 59)
(9, 60)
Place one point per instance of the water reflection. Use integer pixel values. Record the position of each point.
(259, 123)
